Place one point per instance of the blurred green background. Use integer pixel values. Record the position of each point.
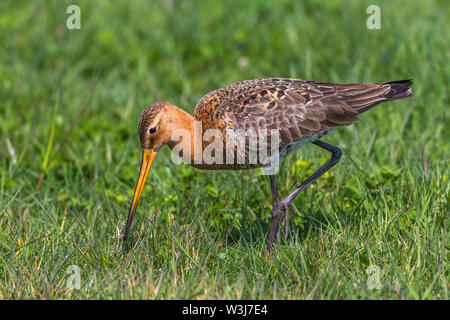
(69, 152)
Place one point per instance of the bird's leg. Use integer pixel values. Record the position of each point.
(277, 213)
(285, 204)
(286, 222)
(335, 157)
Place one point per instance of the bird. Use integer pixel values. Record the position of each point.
(292, 112)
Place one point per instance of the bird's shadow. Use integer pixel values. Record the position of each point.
(302, 226)
(311, 220)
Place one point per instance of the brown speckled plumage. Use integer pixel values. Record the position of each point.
(299, 109)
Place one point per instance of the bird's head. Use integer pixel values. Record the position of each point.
(156, 124)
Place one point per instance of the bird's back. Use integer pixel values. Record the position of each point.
(300, 110)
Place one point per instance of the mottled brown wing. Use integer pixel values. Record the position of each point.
(297, 108)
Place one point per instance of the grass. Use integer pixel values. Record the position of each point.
(69, 153)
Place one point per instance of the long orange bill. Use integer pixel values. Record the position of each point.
(147, 159)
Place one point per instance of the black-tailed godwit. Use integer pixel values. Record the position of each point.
(296, 111)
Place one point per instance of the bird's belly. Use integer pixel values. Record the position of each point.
(225, 166)
(289, 148)
(246, 162)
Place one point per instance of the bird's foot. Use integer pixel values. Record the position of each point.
(279, 211)
(287, 209)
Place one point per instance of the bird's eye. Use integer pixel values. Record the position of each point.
(152, 130)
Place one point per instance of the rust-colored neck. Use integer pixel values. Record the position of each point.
(185, 134)
(180, 127)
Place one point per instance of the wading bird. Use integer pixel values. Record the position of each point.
(299, 111)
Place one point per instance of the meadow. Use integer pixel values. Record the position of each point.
(374, 227)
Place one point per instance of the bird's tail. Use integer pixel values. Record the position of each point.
(379, 92)
(399, 89)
